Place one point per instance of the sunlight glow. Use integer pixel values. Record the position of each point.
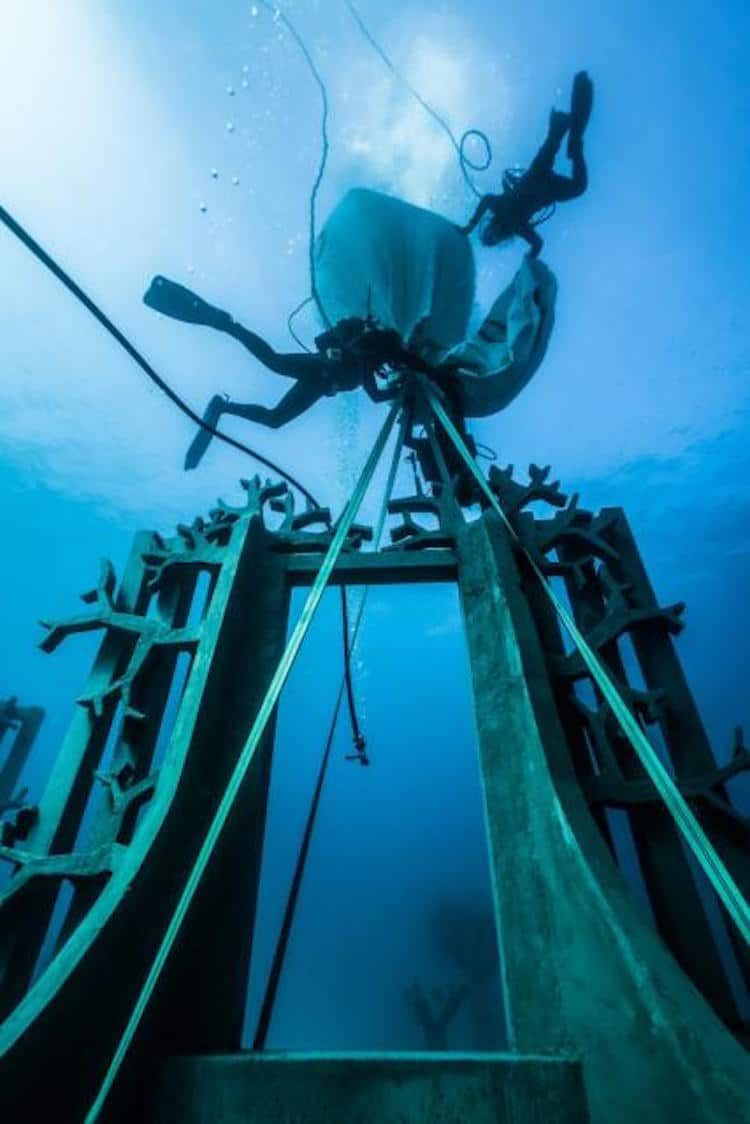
(398, 140)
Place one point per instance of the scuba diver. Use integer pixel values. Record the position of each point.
(530, 193)
(350, 354)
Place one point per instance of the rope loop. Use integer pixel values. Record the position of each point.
(473, 165)
(466, 163)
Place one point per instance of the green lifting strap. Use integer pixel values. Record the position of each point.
(277, 964)
(243, 762)
(727, 889)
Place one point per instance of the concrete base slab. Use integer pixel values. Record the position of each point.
(371, 1089)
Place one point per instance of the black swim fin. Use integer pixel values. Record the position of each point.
(202, 439)
(581, 103)
(175, 300)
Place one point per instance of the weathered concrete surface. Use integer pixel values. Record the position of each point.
(73, 1016)
(370, 1089)
(585, 972)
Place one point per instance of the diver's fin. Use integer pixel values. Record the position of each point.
(180, 303)
(202, 439)
(581, 102)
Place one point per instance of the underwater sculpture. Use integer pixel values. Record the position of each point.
(435, 1010)
(464, 933)
(532, 193)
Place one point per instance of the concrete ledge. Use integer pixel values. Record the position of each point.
(371, 1089)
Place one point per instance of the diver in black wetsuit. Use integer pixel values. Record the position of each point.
(526, 194)
(349, 355)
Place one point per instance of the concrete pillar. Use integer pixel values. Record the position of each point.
(584, 971)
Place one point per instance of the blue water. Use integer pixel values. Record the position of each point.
(121, 115)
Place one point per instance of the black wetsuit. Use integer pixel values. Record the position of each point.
(350, 354)
(538, 188)
(322, 373)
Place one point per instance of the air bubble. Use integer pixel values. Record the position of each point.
(235, 180)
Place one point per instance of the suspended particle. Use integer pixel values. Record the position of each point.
(245, 83)
(214, 173)
(235, 180)
(230, 91)
(246, 69)
(254, 10)
(203, 208)
(230, 126)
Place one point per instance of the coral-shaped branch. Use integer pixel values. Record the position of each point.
(602, 725)
(104, 612)
(436, 1011)
(198, 546)
(76, 866)
(294, 534)
(123, 793)
(411, 535)
(259, 493)
(620, 616)
(581, 527)
(513, 497)
(737, 764)
(612, 791)
(104, 615)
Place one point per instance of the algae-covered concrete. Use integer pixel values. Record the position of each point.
(371, 1089)
(585, 972)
